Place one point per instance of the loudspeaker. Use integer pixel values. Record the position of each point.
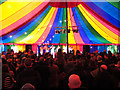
(28, 47)
(86, 48)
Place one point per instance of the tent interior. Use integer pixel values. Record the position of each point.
(89, 25)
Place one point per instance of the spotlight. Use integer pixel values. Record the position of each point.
(10, 36)
(50, 25)
(60, 30)
(25, 33)
(60, 21)
(38, 29)
(56, 32)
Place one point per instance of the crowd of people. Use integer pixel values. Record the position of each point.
(27, 71)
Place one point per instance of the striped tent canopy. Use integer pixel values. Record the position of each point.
(35, 22)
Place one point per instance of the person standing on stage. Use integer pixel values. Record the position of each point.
(71, 50)
(65, 49)
(57, 48)
(52, 51)
(41, 50)
(46, 48)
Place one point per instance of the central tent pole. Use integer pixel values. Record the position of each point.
(67, 26)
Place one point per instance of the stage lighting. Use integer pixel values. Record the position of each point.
(60, 30)
(56, 31)
(63, 30)
(75, 30)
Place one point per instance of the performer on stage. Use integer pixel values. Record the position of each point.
(65, 49)
(52, 51)
(46, 48)
(41, 50)
(57, 48)
(71, 50)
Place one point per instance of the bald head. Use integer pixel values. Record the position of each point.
(74, 81)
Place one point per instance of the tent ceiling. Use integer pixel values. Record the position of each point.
(29, 22)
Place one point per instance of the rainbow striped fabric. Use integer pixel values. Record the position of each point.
(30, 22)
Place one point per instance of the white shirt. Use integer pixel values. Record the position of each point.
(65, 49)
(46, 49)
(57, 48)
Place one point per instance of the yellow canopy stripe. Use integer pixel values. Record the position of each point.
(94, 24)
(106, 30)
(71, 39)
(19, 14)
(35, 35)
(9, 7)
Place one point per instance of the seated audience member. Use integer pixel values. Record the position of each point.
(28, 86)
(28, 75)
(74, 81)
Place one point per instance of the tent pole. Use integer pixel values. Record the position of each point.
(67, 26)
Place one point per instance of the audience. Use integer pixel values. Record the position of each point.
(25, 70)
(28, 75)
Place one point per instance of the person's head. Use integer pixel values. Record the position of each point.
(3, 56)
(74, 81)
(3, 53)
(28, 86)
(15, 56)
(29, 50)
(5, 68)
(104, 51)
(103, 68)
(99, 57)
(41, 45)
(51, 61)
(41, 59)
(9, 60)
(28, 62)
(59, 50)
(118, 64)
(105, 57)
